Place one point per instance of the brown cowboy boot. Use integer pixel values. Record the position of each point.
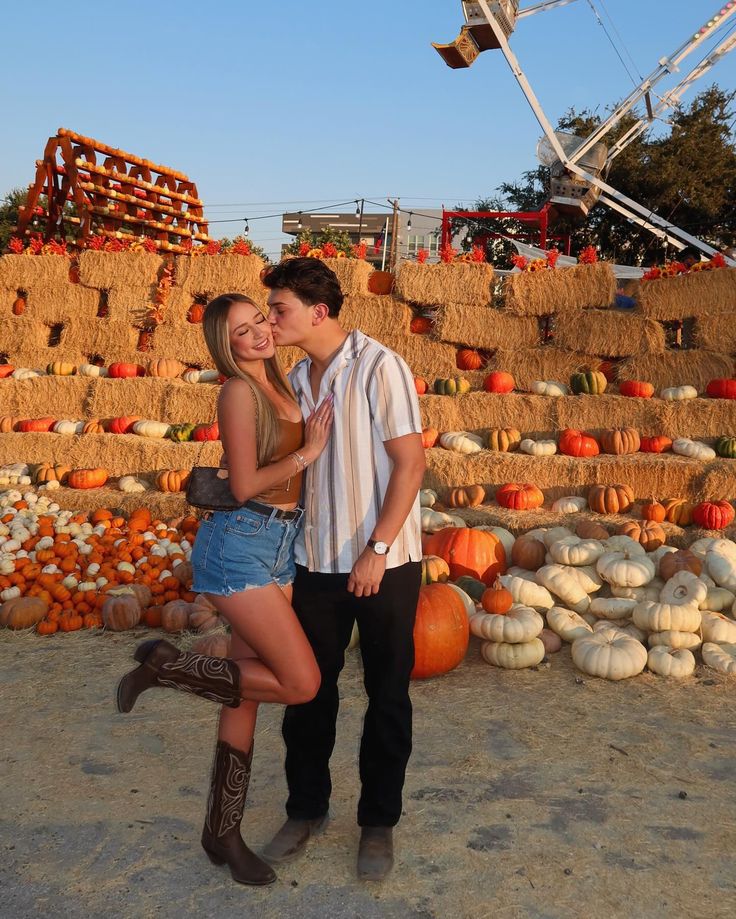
(375, 853)
(162, 664)
(291, 839)
(221, 838)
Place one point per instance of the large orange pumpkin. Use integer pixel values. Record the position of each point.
(36, 425)
(499, 381)
(468, 359)
(121, 370)
(519, 496)
(578, 443)
(87, 478)
(22, 612)
(655, 444)
(441, 631)
(477, 553)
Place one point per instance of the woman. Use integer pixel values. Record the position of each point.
(243, 561)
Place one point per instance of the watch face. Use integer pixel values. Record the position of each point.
(380, 548)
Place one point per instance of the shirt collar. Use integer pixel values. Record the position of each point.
(349, 351)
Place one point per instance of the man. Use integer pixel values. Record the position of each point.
(358, 559)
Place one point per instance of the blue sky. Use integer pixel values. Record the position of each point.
(284, 105)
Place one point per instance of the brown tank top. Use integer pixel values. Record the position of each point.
(289, 491)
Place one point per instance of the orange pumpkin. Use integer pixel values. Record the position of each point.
(122, 425)
(420, 325)
(620, 441)
(657, 444)
(636, 389)
(466, 496)
(8, 424)
(478, 553)
(22, 612)
(519, 496)
(175, 615)
(441, 631)
(429, 437)
(713, 515)
(647, 533)
(420, 385)
(172, 480)
(653, 510)
(588, 529)
(196, 312)
(682, 560)
(528, 552)
(468, 359)
(121, 612)
(87, 478)
(499, 381)
(122, 370)
(165, 367)
(36, 425)
(93, 427)
(678, 511)
(214, 645)
(578, 443)
(19, 306)
(6, 370)
(610, 499)
(51, 472)
(497, 599)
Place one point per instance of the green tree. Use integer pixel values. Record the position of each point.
(687, 176)
(9, 214)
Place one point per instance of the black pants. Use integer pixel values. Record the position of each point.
(327, 612)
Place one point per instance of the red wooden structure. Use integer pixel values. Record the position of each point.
(537, 221)
(113, 193)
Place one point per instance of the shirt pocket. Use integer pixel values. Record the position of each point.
(242, 524)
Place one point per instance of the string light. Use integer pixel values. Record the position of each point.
(246, 229)
(299, 222)
(408, 223)
(357, 208)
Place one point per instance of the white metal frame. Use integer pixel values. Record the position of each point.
(610, 196)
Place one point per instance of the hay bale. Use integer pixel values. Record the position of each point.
(545, 363)
(438, 285)
(699, 418)
(375, 315)
(484, 327)
(130, 304)
(597, 413)
(352, 273)
(22, 333)
(142, 396)
(699, 294)
(60, 305)
(714, 332)
(162, 506)
(718, 481)
(177, 307)
(62, 397)
(538, 293)
(106, 270)
(647, 474)
(211, 275)
(114, 340)
(182, 402)
(426, 358)
(675, 368)
(120, 454)
(39, 358)
(23, 272)
(611, 333)
(184, 343)
(479, 411)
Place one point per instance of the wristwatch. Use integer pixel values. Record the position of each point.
(380, 548)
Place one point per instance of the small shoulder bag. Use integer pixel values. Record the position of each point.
(208, 487)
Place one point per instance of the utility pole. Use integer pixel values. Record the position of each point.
(393, 262)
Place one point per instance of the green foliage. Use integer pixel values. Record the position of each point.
(687, 176)
(228, 243)
(9, 214)
(339, 238)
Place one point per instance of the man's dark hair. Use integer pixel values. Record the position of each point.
(688, 252)
(310, 280)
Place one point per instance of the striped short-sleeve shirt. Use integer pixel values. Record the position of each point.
(374, 400)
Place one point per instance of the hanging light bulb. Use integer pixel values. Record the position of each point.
(299, 222)
(246, 230)
(408, 223)
(357, 208)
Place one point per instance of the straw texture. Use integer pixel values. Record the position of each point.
(545, 363)
(716, 332)
(376, 316)
(62, 304)
(47, 273)
(211, 275)
(608, 333)
(700, 294)
(105, 270)
(485, 327)
(442, 284)
(676, 368)
(538, 293)
(352, 273)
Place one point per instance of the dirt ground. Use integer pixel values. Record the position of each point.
(529, 794)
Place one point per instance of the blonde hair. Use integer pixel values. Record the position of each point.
(217, 337)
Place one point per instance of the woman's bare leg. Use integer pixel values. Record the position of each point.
(284, 669)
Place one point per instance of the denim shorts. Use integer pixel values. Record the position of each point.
(241, 549)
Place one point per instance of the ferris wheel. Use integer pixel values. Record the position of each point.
(578, 165)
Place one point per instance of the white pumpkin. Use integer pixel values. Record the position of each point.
(695, 449)
(720, 657)
(461, 442)
(528, 593)
(92, 370)
(558, 581)
(622, 543)
(587, 577)
(67, 427)
(658, 554)
(427, 497)
(552, 535)
(612, 608)
(570, 504)
(575, 551)
(674, 639)
(628, 628)
(566, 623)
(678, 393)
(131, 485)
(549, 388)
(717, 627)
(506, 536)
(25, 373)
(148, 428)
(191, 376)
(513, 657)
(677, 663)
(700, 546)
(661, 617)
(515, 572)
(717, 599)
(649, 591)
(520, 624)
(720, 562)
(538, 447)
(625, 568)
(432, 521)
(684, 587)
(610, 654)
